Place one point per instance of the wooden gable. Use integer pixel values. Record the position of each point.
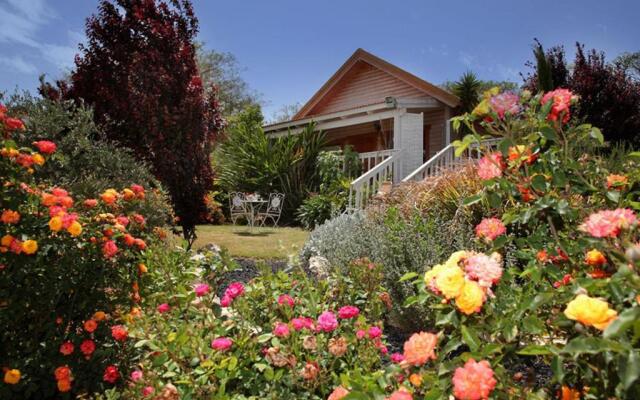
(363, 85)
(365, 79)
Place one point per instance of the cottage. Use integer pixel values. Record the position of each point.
(396, 121)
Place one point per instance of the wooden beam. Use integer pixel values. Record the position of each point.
(323, 126)
(336, 115)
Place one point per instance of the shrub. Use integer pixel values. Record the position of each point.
(84, 163)
(246, 160)
(70, 275)
(568, 303)
(279, 335)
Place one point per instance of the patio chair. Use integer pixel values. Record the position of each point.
(237, 206)
(273, 210)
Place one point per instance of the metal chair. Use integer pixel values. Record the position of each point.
(237, 206)
(274, 209)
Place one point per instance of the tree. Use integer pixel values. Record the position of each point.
(285, 113)
(610, 97)
(139, 73)
(469, 89)
(222, 70)
(630, 63)
(550, 69)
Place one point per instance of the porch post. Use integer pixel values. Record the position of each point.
(408, 137)
(447, 125)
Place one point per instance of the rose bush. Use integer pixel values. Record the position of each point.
(281, 334)
(570, 301)
(70, 275)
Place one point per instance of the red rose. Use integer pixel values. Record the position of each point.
(119, 333)
(45, 146)
(111, 374)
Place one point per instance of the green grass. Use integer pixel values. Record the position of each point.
(260, 243)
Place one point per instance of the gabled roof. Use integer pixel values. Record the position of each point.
(361, 55)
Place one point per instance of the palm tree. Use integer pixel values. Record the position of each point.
(467, 88)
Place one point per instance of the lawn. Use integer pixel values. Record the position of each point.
(261, 243)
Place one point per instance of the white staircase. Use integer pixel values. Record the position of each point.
(390, 169)
(368, 184)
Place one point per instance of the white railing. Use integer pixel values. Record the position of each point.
(368, 184)
(446, 158)
(372, 158)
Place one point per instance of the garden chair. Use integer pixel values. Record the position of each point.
(237, 206)
(273, 210)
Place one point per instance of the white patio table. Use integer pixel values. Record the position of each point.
(253, 203)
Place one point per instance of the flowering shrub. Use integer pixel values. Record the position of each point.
(570, 299)
(280, 334)
(70, 275)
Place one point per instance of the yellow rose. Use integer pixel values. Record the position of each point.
(471, 298)
(455, 258)
(12, 376)
(29, 246)
(590, 312)
(433, 273)
(55, 224)
(37, 158)
(450, 281)
(415, 379)
(75, 228)
(481, 109)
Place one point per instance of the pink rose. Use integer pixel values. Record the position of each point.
(163, 308)
(490, 228)
(281, 330)
(136, 375)
(374, 332)
(301, 323)
(397, 358)
(360, 334)
(286, 299)
(225, 301)
(505, 103)
(234, 290)
(490, 166)
(348, 312)
(202, 289)
(327, 321)
(221, 344)
(148, 391)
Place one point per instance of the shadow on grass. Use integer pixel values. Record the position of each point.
(253, 234)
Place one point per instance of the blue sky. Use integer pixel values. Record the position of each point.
(288, 48)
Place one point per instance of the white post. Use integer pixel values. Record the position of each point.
(447, 125)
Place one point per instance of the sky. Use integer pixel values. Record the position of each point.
(287, 49)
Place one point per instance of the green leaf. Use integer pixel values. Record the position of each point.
(629, 369)
(434, 394)
(613, 195)
(557, 366)
(591, 345)
(233, 363)
(634, 154)
(621, 324)
(470, 337)
(549, 133)
(536, 350)
(539, 183)
(264, 337)
(447, 319)
(596, 134)
(540, 299)
(407, 276)
(472, 200)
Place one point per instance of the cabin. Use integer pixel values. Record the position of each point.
(396, 121)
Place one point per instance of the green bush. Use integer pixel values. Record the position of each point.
(84, 163)
(247, 160)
